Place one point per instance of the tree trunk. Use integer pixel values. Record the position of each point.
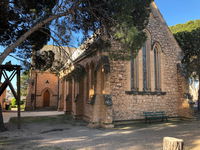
(170, 143)
(198, 101)
(199, 94)
(2, 127)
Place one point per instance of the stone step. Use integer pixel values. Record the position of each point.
(127, 122)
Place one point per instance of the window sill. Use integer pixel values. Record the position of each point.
(145, 93)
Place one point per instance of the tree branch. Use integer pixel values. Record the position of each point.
(10, 48)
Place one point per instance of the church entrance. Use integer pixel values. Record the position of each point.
(46, 99)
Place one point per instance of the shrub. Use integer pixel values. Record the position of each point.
(13, 102)
(14, 106)
(21, 102)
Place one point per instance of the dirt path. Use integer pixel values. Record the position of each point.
(63, 133)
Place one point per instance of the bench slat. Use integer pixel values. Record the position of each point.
(155, 115)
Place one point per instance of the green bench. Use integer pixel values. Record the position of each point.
(158, 115)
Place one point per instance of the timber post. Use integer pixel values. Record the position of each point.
(2, 127)
(18, 98)
(170, 143)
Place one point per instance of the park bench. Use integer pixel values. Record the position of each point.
(158, 115)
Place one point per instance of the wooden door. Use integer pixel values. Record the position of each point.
(46, 98)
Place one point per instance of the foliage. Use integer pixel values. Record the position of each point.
(18, 16)
(45, 59)
(13, 102)
(104, 62)
(123, 20)
(189, 42)
(24, 83)
(188, 26)
(78, 72)
(188, 37)
(126, 30)
(131, 22)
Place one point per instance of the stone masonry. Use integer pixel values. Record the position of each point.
(128, 106)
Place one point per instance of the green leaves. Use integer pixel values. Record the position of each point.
(130, 37)
(129, 19)
(188, 37)
(121, 20)
(188, 26)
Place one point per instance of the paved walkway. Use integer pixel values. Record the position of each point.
(8, 115)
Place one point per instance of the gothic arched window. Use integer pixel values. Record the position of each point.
(146, 63)
(134, 73)
(142, 60)
(157, 66)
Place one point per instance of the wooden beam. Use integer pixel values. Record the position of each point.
(12, 89)
(3, 87)
(18, 99)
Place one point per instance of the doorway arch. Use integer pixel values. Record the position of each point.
(46, 98)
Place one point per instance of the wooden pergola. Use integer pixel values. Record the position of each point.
(14, 70)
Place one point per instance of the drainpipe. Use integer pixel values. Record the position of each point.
(58, 93)
(35, 91)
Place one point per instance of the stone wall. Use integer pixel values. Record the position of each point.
(129, 107)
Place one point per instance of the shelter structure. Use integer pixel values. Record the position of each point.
(8, 77)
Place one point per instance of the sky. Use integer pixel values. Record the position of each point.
(179, 11)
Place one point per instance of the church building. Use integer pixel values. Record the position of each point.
(103, 91)
(43, 89)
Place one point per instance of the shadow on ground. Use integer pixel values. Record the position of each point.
(62, 133)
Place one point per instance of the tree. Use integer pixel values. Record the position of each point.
(188, 37)
(28, 20)
(26, 25)
(24, 83)
(17, 17)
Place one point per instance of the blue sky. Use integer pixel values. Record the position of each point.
(179, 11)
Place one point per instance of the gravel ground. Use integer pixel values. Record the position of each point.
(63, 133)
(10, 114)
